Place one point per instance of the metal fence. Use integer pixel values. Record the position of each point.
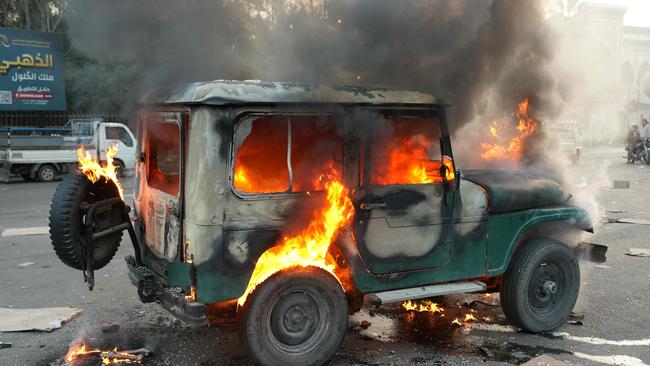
(49, 119)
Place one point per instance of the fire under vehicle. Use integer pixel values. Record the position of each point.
(288, 206)
(44, 153)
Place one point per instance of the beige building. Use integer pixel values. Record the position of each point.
(612, 65)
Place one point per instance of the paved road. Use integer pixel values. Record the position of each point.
(615, 299)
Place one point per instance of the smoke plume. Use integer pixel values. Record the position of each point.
(481, 56)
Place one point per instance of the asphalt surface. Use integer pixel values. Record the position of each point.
(614, 299)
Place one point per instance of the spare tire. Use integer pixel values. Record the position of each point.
(66, 224)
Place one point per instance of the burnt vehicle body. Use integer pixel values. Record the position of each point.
(199, 228)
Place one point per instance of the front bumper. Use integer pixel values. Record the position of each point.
(151, 289)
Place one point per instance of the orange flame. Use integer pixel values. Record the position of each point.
(512, 149)
(309, 247)
(409, 163)
(422, 307)
(108, 357)
(94, 170)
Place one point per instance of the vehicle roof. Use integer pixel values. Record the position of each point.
(223, 92)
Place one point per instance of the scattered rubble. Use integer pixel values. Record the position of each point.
(638, 252)
(621, 184)
(630, 220)
(43, 319)
(110, 327)
(544, 360)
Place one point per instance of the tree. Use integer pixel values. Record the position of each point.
(39, 15)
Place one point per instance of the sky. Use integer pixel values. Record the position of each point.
(638, 11)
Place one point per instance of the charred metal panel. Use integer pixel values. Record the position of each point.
(510, 191)
(473, 206)
(222, 92)
(409, 230)
(206, 180)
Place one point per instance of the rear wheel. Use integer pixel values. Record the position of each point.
(66, 224)
(46, 173)
(541, 286)
(296, 317)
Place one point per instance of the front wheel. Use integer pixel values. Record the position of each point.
(296, 317)
(541, 286)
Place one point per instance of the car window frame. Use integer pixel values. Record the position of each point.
(239, 119)
(365, 156)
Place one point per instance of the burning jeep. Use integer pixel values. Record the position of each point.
(288, 206)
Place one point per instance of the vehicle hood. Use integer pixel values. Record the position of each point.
(509, 190)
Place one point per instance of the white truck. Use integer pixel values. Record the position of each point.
(41, 154)
(568, 136)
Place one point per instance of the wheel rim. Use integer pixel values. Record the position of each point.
(297, 320)
(47, 174)
(546, 288)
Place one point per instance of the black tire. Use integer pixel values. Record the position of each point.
(296, 317)
(46, 173)
(541, 286)
(27, 177)
(66, 227)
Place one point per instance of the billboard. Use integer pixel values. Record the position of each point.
(31, 71)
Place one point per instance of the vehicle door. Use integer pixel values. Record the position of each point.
(158, 177)
(117, 134)
(404, 205)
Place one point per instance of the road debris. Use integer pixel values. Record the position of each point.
(486, 352)
(544, 360)
(638, 252)
(621, 184)
(26, 264)
(110, 327)
(43, 319)
(630, 220)
(383, 327)
(5, 345)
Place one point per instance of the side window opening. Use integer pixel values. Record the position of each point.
(162, 149)
(275, 154)
(261, 155)
(119, 133)
(406, 151)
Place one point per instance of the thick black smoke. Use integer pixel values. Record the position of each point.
(481, 56)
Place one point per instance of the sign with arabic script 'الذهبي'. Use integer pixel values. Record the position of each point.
(31, 71)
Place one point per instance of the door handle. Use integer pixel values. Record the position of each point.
(370, 206)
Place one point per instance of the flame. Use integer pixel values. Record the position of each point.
(310, 246)
(93, 169)
(424, 306)
(455, 322)
(469, 317)
(512, 149)
(409, 163)
(242, 181)
(108, 357)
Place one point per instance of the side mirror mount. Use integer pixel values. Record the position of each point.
(447, 172)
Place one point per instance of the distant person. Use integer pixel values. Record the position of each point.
(645, 129)
(634, 143)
